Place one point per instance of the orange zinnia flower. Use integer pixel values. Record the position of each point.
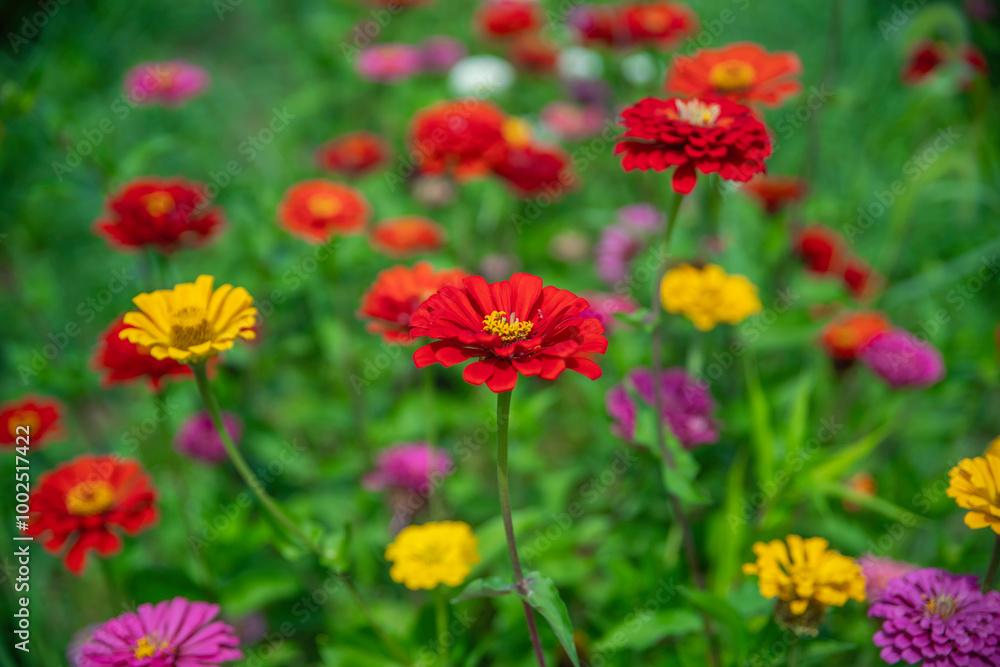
(774, 193)
(37, 420)
(316, 210)
(408, 235)
(742, 72)
(461, 138)
(353, 154)
(844, 337)
(397, 293)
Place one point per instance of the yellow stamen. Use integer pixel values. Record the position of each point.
(698, 113)
(189, 327)
(516, 132)
(158, 203)
(732, 75)
(28, 418)
(509, 329)
(89, 498)
(144, 648)
(324, 205)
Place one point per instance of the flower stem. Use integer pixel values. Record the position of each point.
(990, 582)
(503, 417)
(441, 616)
(279, 515)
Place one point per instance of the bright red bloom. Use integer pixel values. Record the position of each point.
(165, 214)
(774, 193)
(395, 295)
(353, 154)
(408, 235)
(510, 327)
(743, 72)
(712, 135)
(535, 169)
(462, 138)
(87, 503)
(927, 55)
(657, 24)
(860, 279)
(121, 361)
(821, 249)
(316, 210)
(844, 337)
(506, 18)
(532, 53)
(42, 416)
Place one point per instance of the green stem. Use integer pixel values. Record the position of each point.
(503, 418)
(990, 582)
(794, 652)
(441, 617)
(279, 515)
(433, 500)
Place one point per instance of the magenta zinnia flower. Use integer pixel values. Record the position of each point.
(440, 53)
(411, 466)
(688, 406)
(878, 572)
(621, 243)
(902, 359)
(939, 618)
(604, 306)
(173, 633)
(388, 63)
(169, 83)
(197, 437)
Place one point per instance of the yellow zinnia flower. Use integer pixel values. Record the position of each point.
(708, 296)
(994, 447)
(439, 552)
(806, 577)
(192, 321)
(975, 486)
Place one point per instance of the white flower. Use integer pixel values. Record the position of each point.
(480, 76)
(639, 69)
(580, 63)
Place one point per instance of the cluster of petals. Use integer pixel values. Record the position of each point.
(743, 72)
(708, 296)
(688, 408)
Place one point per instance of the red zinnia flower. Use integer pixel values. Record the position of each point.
(510, 327)
(353, 154)
(535, 169)
(821, 249)
(774, 193)
(657, 24)
(316, 210)
(42, 416)
(709, 136)
(926, 56)
(407, 235)
(395, 295)
(532, 53)
(743, 73)
(860, 279)
(461, 138)
(121, 361)
(844, 337)
(506, 18)
(87, 503)
(166, 214)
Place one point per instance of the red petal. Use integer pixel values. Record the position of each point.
(424, 356)
(584, 366)
(477, 372)
(684, 178)
(504, 378)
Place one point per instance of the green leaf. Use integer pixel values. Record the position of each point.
(836, 464)
(762, 435)
(255, 588)
(491, 587)
(544, 597)
(336, 549)
(730, 623)
(648, 629)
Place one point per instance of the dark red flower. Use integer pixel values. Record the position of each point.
(120, 361)
(860, 279)
(396, 293)
(821, 249)
(924, 57)
(507, 18)
(87, 503)
(774, 193)
(41, 416)
(657, 24)
(535, 169)
(532, 53)
(165, 214)
(712, 135)
(460, 138)
(318, 209)
(510, 327)
(354, 154)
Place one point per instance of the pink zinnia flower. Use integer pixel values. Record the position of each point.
(167, 634)
(388, 63)
(197, 438)
(412, 466)
(440, 53)
(572, 122)
(878, 572)
(902, 359)
(604, 306)
(169, 83)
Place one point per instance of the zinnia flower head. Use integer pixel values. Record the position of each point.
(169, 83)
(481, 76)
(389, 63)
(192, 321)
(407, 235)
(710, 135)
(938, 619)
(825, 254)
(506, 18)
(37, 418)
(318, 209)
(774, 193)
(973, 483)
(879, 572)
(395, 295)
(510, 328)
(460, 138)
(655, 24)
(121, 361)
(411, 466)
(902, 359)
(164, 214)
(708, 296)
(532, 53)
(807, 577)
(198, 439)
(621, 243)
(440, 53)
(173, 632)
(743, 72)
(926, 57)
(844, 336)
(435, 553)
(533, 170)
(572, 122)
(688, 408)
(353, 154)
(604, 306)
(87, 503)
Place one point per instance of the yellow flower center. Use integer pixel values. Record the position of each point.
(516, 132)
(698, 113)
(189, 327)
(165, 75)
(944, 606)
(324, 205)
(147, 648)
(509, 329)
(158, 203)
(654, 19)
(732, 75)
(28, 418)
(89, 498)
